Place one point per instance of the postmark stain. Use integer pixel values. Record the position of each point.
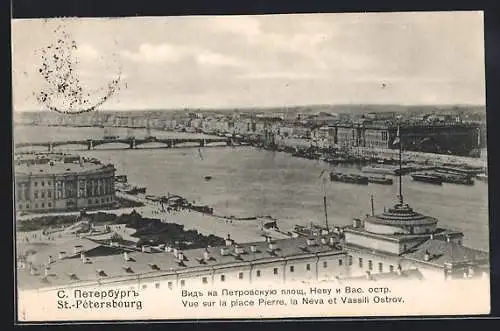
(64, 91)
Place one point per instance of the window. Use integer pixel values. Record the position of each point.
(36, 205)
(43, 183)
(43, 194)
(97, 201)
(49, 194)
(340, 262)
(49, 182)
(292, 268)
(49, 204)
(222, 278)
(325, 264)
(90, 201)
(169, 284)
(43, 205)
(308, 267)
(404, 248)
(240, 275)
(157, 285)
(258, 273)
(370, 265)
(183, 282)
(204, 280)
(27, 206)
(380, 267)
(360, 262)
(391, 268)
(36, 183)
(349, 259)
(275, 271)
(36, 195)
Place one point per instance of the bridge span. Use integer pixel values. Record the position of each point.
(134, 142)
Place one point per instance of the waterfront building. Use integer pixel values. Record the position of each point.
(58, 186)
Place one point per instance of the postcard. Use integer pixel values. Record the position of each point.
(241, 167)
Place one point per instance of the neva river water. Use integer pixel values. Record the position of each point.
(249, 182)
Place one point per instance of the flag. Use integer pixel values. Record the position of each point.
(397, 139)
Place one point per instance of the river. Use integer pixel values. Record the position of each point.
(248, 182)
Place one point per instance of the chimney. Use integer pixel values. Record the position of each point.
(368, 275)
(253, 248)
(268, 239)
(432, 236)
(239, 250)
(356, 223)
(310, 241)
(50, 259)
(272, 245)
(62, 255)
(224, 251)
(180, 256)
(46, 272)
(206, 255)
(229, 242)
(448, 239)
(77, 249)
(168, 249)
(82, 256)
(125, 256)
(81, 161)
(399, 270)
(175, 250)
(324, 241)
(427, 256)
(332, 241)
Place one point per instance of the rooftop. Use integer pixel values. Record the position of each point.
(110, 261)
(410, 274)
(439, 233)
(441, 252)
(401, 214)
(57, 168)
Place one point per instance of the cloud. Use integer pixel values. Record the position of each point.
(87, 51)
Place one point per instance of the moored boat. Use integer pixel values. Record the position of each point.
(380, 180)
(348, 178)
(427, 178)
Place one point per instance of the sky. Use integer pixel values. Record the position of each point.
(262, 61)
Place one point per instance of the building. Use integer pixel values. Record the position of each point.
(83, 262)
(57, 186)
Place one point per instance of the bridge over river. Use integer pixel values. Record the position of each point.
(133, 142)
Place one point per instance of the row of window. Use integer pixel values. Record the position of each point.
(42, 183)
(258, 273)
(370, 265)
(68, 203)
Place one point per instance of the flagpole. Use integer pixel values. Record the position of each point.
(400, 167)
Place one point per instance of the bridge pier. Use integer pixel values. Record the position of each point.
(90, 145)
(202, 143)
(51, 148)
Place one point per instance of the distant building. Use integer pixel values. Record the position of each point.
(63, 186)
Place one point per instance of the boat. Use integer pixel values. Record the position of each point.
(380, 180)
(121, 178)
(348, 178)
(457, 179)
(378, 169)
(482, 177)
(428, 178)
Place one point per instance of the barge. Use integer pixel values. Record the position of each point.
(428, 178)
(382, 180)
(348, 178)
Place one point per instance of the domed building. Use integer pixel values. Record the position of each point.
(401, 238)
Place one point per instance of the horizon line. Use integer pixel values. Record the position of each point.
(268, 107)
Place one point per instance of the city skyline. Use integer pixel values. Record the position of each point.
(266, 61)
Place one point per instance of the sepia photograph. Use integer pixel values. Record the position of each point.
(259, 166)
